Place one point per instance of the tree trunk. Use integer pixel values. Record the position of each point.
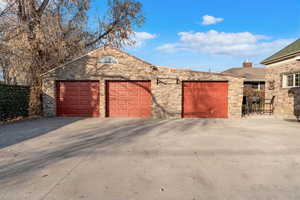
(35, 100)
(37, 62)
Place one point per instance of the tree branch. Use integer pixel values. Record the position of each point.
(101, 36)
(42, 7)
(4, 11)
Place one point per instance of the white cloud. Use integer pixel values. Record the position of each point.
(168, 48)
(141, 37)
(209, 20)
(221, 43)
(144, 35)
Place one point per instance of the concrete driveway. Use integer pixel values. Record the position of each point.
(134, 159)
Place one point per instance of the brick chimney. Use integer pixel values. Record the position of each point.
(247, 64)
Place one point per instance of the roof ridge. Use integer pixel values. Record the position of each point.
(92, 51)
(127, 54)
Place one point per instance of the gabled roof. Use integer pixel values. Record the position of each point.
(250, 74)
(147, 63)
(91, 52)
(202, 72)
(289, 51)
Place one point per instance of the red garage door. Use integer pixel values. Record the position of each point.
(205, 99)
(128, 99)
(78, 98)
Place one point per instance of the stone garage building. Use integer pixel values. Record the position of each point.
(110, 83)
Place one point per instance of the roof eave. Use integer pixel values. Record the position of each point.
(279, 59)
(255, 80)
(91, 52)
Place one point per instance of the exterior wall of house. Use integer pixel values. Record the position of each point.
(167, 98)
(284, 102)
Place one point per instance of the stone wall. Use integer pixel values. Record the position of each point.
(167, 98)
(284, 102)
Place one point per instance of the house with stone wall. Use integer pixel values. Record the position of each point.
(282, 77)
(254, 83)
(108, 82)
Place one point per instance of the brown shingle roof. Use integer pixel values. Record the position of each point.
(250, 74)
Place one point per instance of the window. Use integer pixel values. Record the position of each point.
(297, 80)
(291, 80)
(108, 60)
(256, 86)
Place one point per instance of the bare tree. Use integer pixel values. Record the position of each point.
(36, 36)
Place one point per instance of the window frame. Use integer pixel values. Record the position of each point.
(287, 79)
(258, 84)
(295, 79)
(112, 58)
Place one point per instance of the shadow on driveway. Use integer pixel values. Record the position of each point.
(292, 120)
(104, 134)
(20, 131)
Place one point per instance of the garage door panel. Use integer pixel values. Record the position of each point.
(85, 93)
(87, 98)
(205, 99)
(78, 98)
(129, 99)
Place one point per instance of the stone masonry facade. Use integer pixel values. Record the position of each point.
(167, 98)
(284, 104)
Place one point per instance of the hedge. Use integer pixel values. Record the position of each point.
(14, 101)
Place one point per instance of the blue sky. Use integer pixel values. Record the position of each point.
(216, 34)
